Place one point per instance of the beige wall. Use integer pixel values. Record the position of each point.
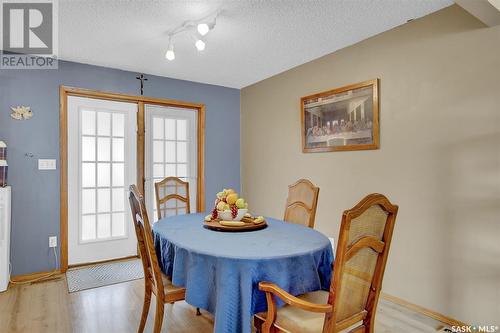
(439, 157)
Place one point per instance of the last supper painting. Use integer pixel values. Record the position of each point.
(345, 118)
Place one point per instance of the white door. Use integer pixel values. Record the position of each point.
(171, 150)
(101, 166)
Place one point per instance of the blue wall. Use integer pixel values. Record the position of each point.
(35, 202)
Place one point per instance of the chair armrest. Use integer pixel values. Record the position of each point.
(288, 298)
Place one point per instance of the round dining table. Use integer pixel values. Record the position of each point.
(221, 270)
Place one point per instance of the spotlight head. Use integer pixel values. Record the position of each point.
(203, 29)
(200, 45)
(170, 55)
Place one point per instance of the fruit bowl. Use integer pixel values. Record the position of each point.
(228, 207)
(226, 215)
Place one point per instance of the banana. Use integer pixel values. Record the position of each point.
(232, 223)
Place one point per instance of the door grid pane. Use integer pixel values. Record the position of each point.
(103, 170)
(170, 151)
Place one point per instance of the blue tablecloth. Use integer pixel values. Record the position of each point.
(221, 271)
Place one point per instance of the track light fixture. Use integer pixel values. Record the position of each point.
(198, 29)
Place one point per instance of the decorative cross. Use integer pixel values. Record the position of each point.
(142, 78)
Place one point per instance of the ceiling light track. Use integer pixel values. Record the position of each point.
(198, 29)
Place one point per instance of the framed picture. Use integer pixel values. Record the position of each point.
(345, 118)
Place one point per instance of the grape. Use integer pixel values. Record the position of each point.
(234, 211)
(215, 214)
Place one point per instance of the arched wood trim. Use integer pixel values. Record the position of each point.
(302, 181)
(173, 196)
(369, 201)
(168, 179)
(311, 209)
(367, 241)
(300, 204)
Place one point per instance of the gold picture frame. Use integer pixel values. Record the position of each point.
(341, 119)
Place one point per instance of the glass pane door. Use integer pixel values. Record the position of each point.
(170, 151)
(102, 155)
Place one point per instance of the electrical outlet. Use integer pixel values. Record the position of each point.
(53, 241)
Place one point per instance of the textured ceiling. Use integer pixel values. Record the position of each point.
(253, 40)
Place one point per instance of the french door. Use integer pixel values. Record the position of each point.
(102, 151)
(171, 150)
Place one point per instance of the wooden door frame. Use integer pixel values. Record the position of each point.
(65, 92)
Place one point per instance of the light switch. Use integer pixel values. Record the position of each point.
(46, 164)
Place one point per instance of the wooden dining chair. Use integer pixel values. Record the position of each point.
(301, 203)
(362, 250)
(156, 281)
(172, 197)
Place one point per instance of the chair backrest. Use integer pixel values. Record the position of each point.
(145, 241)
(301, 203)
(172, 197)
(362, 250)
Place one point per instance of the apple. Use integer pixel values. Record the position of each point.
(221, 205)
(240, 203)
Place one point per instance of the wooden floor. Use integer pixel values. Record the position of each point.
(47, 307)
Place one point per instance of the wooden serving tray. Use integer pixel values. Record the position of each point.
(249, 225)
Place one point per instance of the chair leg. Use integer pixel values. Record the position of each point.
(145, 308)
(198, 313)
(159, 315)
(268, 327)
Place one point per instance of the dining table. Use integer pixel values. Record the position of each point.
(221, 270)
